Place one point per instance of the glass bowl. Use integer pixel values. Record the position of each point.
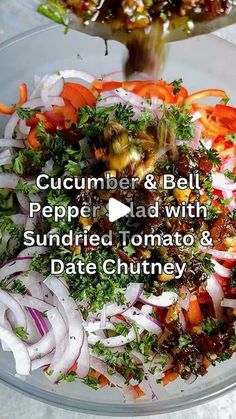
(203, 62)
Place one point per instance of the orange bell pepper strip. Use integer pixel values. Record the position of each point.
(85, 92)
(103, 86)
(62, 116)
(33, 140)
(23, 96)
(181, 96)
(139, 391)
(169, 376)
(206, 363)
(194, 312)
(73, 96)
(224, 111)
(202, 94)
(156, 90)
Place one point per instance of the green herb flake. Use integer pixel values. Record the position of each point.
(21, 333)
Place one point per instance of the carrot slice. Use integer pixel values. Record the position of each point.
(169, 377)
(103, 381)
(94, 374)
(194, 312)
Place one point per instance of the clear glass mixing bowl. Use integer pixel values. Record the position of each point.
(203, 62)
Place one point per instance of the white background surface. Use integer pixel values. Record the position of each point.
(16, 17)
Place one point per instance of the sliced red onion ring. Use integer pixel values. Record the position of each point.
(132, 98)
(32, 302)
(229, 164)
(23, 201)
(221, 270)
(166, 299)
(219, 254)
(197, 134)
(24, 129)
(116, 340)
(30, 251)
(41, 362)
(215, 291)
(17, 265)
(8, 180)
(43, 347)
(6, 157)
(95, 326)
(40, 322)
(182, 320)
(228, 302)
(147, 322)
(18, 219)
(98, 365)
(132, 294)
(4, 323)
(228, 195)
(59, 330)
(4, 143)
(184, 297)
(221, 182)
(51, 81)
(111, 76)
(19, 350)
(83, 362)
(47, 295)
(57, 88)
(14, 306)
(33, 334)
(76, 333)
(38, 87)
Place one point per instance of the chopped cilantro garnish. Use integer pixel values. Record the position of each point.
(184, 340)
(211, 325)
(25, 113)
(18, 287)
(224, 100)
(230, 175)
(91, 382)
(177, 85)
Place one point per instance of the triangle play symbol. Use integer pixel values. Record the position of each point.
(117, 210)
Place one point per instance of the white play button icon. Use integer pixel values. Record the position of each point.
(117, 210)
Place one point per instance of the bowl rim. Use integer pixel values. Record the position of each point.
(110, 409)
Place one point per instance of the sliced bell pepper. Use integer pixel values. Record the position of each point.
(73, 96)
(202, 94)
(104, 86)
(85, 92)
(33, 140)
(169, 377)
(156, 90)
(23, 96)
(62, 116)
(194, 313)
